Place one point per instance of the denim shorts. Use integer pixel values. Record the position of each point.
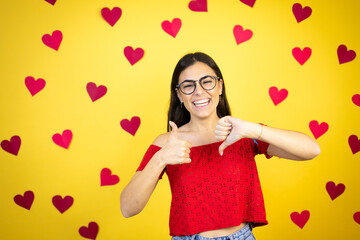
(243, 234)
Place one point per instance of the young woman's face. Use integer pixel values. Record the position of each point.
(201, 103)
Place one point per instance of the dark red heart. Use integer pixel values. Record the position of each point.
(25, 201)
(250, 3)
(172, 28)
(131, 126)
(345, 55)
(106, 179)
(53, 41)
(277, 96)
(12, 146)
(318, 129)
(133, 56)
(242, 35)
(52, 2)
(198, 5)
(301, 13)
(62, 204)
(34, 86)
(354, 144)
(356, 99)
(95, 92)
(334, 190)
(301, 55)
(357, 217)
(300, 219)
(111, 16)
(63, 140)
(89, 232)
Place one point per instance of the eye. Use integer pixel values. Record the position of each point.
(187, 85)
(208, 80)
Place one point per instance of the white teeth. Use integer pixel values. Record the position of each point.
(202, 102)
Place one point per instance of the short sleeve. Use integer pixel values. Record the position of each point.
(261, 148)
(148, 156)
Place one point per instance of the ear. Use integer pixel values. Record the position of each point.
(221, 85)
(178, 94)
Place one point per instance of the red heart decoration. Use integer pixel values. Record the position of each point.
(301, 55)
(89, 232)
(356, 99)
(52, 2)
(95, 92)
(357, 217)
(62, 204)
(12, 146)
(301, 13)
(34, 86)
(241, 35)
(277, 96)
(248, 2)
(334, 190)
(133, 56)
(107, 179)
(354, 144)
(111, 16)
(131, 126)
(63, 140)
(172, 28)
(53, 41)
(25, 201)
(318, 130)
(198, 5)
(300, 219)
(345, 55)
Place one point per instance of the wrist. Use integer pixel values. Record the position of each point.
(255, 131)
(159, 160)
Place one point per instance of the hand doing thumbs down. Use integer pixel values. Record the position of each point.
(230, 130)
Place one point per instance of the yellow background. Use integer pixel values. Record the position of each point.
(92, 51)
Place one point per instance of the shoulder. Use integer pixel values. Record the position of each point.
(161, 140)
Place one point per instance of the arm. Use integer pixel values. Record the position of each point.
(282, 143)
(137, 192)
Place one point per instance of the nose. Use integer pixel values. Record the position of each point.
(199, 89)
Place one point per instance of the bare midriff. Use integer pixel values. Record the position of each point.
(222, 232)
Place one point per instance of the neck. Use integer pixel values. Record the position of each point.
(203, 125)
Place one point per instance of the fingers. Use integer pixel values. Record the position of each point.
(225, 121)
(222, 130)
(222, 147)
(174, 128)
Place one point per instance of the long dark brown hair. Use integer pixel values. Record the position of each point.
(180, 115)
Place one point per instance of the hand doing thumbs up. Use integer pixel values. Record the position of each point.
(176, 151)
(174, 129)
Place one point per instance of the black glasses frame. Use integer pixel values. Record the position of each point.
(200, 82)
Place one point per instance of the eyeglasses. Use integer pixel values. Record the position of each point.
(206, 82)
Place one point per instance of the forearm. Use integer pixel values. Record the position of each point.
(285, 143)
(136, 194)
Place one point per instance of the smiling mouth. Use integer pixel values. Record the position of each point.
(202, 102)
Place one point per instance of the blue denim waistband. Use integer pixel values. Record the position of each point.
(240, 234)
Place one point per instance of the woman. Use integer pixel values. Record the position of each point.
(209, 159)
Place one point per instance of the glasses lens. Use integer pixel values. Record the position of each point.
(187, 87)
(208, 83)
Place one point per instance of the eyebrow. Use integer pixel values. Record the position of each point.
(198, 79)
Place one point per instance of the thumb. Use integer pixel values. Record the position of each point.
(174, 128)
(222, 147)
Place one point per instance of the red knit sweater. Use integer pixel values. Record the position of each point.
(213, 191)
